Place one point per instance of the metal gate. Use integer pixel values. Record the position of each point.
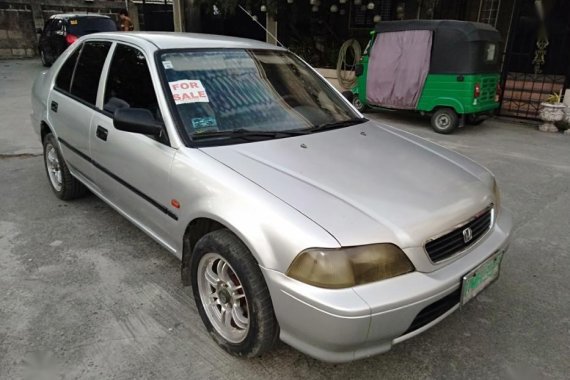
(537, 60)
(156, 15)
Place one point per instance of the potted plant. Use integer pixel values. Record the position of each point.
(551, 111)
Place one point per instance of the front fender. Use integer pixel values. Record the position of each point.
(273, 231)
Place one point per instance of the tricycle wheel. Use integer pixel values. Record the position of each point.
(474, 119)
(361, 107)
(444, 120)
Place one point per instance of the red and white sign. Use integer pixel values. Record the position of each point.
(188, 91)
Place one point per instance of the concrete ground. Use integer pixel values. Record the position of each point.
(84, 294)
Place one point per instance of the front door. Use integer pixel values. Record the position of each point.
(132, 170)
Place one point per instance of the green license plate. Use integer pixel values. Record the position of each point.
(481, 277)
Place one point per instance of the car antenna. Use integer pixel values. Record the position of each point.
(253, 18)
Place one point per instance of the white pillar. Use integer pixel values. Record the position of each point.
(271, 25)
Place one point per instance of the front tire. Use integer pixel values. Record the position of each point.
(64, 185)
(231, 295)
(445, 121)
(361, 107)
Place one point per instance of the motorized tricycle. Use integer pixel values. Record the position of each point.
(444, 68)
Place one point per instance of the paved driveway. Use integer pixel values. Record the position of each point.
(85, 294)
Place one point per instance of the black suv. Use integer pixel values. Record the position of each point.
(62, 30)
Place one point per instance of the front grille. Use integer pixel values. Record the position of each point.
(453, 242)
(434, 311)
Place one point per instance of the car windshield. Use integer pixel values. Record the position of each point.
(267, 92)
(86, 25)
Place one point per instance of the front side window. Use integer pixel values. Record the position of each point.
(63, 80)
(129, 80)
(88, 70)
(232, 90)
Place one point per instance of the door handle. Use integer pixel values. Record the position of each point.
(54, 106)
(102, 133)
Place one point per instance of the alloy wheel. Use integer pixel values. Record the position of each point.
(53, 167)
(223, 297)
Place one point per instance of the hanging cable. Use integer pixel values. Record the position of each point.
(344, 69)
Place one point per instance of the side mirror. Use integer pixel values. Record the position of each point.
(39, 30)
(359, 69)
(136, 120)
(348, 95)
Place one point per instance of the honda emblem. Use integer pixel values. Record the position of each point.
(467, 235)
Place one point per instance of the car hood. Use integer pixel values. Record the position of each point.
(366, 183)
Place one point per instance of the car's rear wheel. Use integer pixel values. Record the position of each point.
(232, 296)
(474, 119)
(64, 185)
(45, 60)
(444, 120)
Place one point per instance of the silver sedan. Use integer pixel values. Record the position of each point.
(294, 217)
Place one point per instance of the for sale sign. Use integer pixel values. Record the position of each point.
(188, 91)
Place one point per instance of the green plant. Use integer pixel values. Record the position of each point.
(554, 98)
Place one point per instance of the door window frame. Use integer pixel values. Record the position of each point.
(174, 139)
(103, 87)
(67, 92)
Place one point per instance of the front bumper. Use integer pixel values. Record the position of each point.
(347, 324)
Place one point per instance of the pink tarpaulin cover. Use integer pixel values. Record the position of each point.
(398, 67)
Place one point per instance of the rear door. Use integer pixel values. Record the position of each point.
(72, 103)
(133, 169)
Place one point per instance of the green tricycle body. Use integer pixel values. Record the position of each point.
(462, 81)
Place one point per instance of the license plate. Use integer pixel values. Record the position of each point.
(481, 277)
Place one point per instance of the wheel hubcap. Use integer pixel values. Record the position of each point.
(223, 297)
(443, 121)
(356, 102)
(53, 167)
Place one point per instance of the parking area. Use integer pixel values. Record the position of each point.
(86, 294)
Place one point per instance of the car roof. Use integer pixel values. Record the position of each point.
(77, 15)
(171, 40)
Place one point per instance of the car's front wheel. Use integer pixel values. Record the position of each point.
(361, 107)
(64, 185)
(232, 296)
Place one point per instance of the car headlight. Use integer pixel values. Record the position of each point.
(497, 195)
(347, 267)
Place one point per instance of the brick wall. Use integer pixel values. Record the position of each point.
(17, 36)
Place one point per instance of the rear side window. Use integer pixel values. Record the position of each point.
(88, 70)
(63, 80)
(129, 79)
(86, 25)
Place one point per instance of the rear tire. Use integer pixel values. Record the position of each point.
(361, 107)
(227, 282)
(444, 120)
(64, 185)
(45, 61)
(474, 119)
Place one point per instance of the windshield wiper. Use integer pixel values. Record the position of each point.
(249, 135)
(338, 124)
